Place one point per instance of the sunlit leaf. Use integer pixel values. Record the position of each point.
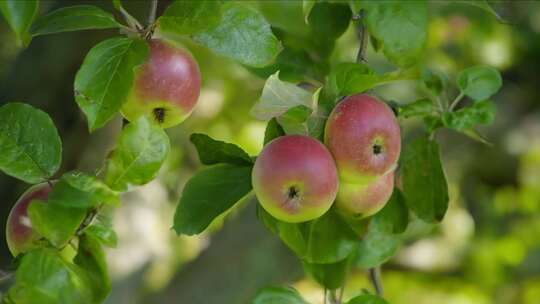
(189, 17)
(141, 150)
(278, 97)
(243, 35)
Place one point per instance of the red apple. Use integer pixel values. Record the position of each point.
(295, 178)
(166, 87)
(363, 135)
(19, 233)
(363, 200)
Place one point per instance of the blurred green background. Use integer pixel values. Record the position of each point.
(487, 250)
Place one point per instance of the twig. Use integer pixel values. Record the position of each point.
(152, 14)
(375, 278)
(325, 294)
(333, 297)
(341, 291)
(132, 21)
(363, 35)
(456, 101)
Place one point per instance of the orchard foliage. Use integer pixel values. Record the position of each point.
(290, 44)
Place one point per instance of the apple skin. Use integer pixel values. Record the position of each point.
(295, 178)
(363, 135)
(166, 87)
(19, 233)
(363, 200)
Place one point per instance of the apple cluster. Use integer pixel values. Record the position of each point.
(296, 178)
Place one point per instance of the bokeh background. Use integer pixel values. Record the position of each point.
(487, 250)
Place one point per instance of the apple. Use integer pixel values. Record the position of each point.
(362, 200)
(295, 178)
(19, 233)
(363, 135)
(166, 87)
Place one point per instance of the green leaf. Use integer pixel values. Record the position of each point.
(106, 76)
(329, 20)
(103, 233)
(141, 150)
(377, 246)
(80, 190)
(44, 277)
(327, 239)
(383, 237)
(293, 66)
(20, 15)
(400, 26)
(481, 112)
(286, 16)
(424, 182)
(30, 145)
(353, 78)
(433, 122)
(433, 81)
(331, 276)
(367, 299)
(394, 217)
(484, 5)
(73, 18)
(278, 97)
(422, 107)
(213, 151)
(54, 222)
(278, 295)
(273, 130)
(243, 35)
(294, 120)
(208, 194)
(91, 259)
(479, 82)
(189, 17)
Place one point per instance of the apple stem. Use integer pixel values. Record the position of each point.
(375, 277)
(153, 11)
